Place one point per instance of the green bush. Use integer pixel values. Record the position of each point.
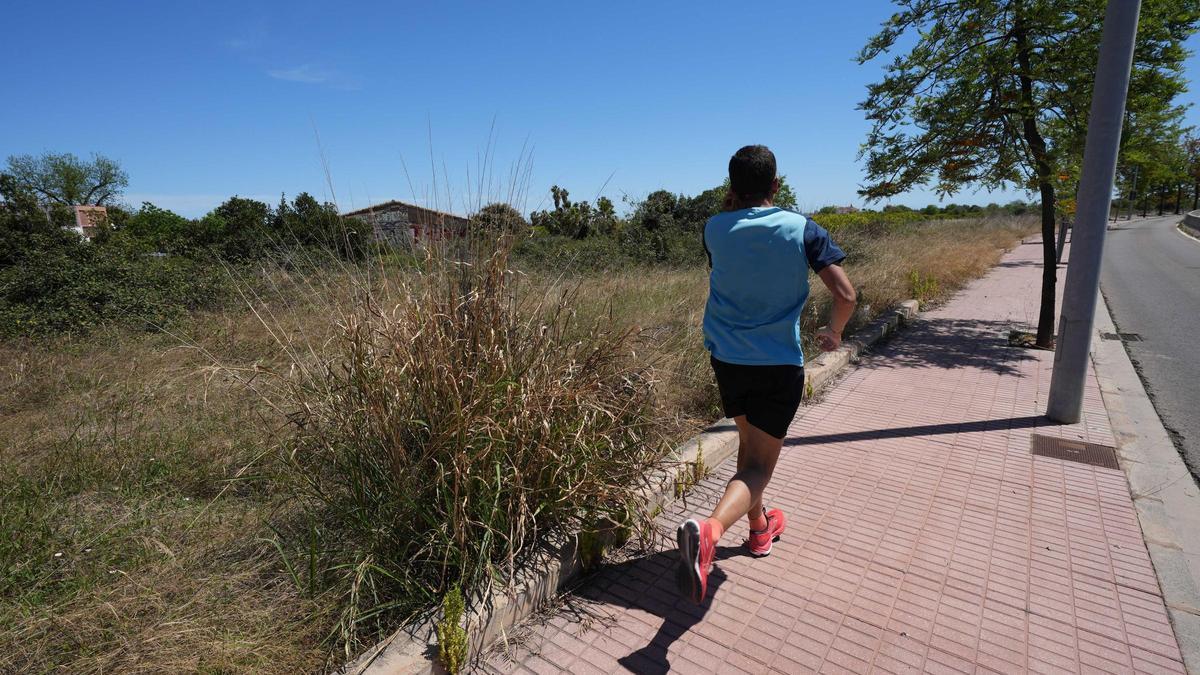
(150, 266)
(556, 252)
(499, 218)
(62, 284)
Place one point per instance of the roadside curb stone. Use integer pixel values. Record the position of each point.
(1165, 495)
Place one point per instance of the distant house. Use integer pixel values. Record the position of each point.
(89, 219)
(403, 224)
(846, 209)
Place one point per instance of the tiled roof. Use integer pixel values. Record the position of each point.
(395, 202)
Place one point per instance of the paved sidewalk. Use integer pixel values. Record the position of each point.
(923, 535)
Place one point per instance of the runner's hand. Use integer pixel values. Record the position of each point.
(828, 340)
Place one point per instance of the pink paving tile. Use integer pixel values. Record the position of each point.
(1150, 662)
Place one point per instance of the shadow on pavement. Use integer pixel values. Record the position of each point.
(1019, 263)
(954, 343)
(647, 583)
(1027, 422)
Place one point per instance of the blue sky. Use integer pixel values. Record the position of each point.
(200, 101)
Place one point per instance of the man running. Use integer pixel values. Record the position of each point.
(760, 256)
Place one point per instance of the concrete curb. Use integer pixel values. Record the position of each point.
(1191, 220)
(413, 649)
(1165, 495)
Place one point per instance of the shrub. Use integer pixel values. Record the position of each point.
(883, 221)
(499, 218)
(310, 224)
(559, 253)
(455, 427)
(61, 284)
(923, 287)
(159, 229)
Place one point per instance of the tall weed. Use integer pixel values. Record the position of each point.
(450, 426)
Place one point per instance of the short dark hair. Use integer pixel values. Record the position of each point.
(752, 172)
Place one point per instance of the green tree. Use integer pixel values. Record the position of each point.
(238, 229)
(309, 223)
(785, 198)
(159, 229)
(26, 224)
(1191, 149)
(67, 180)
(577, 220)
(995, 93)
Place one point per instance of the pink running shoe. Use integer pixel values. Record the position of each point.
(696, 553)
(760, 541)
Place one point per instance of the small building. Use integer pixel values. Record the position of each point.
(846, 209)
(89, 219)
(402, 224)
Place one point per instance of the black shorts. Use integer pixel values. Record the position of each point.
(767, 395)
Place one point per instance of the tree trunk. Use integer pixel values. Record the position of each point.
(1178, 198)
(1162, 200)
(1196, 195)
(1041, 161)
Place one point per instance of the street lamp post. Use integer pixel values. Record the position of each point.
(1095, 195)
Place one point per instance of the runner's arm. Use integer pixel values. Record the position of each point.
(844, 301)
(825, 258)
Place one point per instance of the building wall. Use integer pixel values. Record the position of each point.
(403, 224)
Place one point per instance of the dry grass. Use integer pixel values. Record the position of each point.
(132, 535)
(125, 455)
(457, 418)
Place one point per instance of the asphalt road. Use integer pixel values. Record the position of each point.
(1151, 279)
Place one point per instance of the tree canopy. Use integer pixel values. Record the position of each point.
(63, 178)
(995, 93)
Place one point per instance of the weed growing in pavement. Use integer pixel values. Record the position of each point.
(452, 638)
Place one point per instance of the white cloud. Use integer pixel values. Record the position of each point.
(309, 74)
(304, 73)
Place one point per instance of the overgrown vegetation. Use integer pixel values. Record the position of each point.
(452, 424)
(378, 431)
(147, 268)
(203, 529)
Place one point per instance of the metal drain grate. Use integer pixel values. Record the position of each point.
(1130, 337)
(1092, 454)
(1123, 337)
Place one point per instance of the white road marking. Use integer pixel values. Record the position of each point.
(1179, 229)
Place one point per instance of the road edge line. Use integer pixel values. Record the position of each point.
(1182, 229)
